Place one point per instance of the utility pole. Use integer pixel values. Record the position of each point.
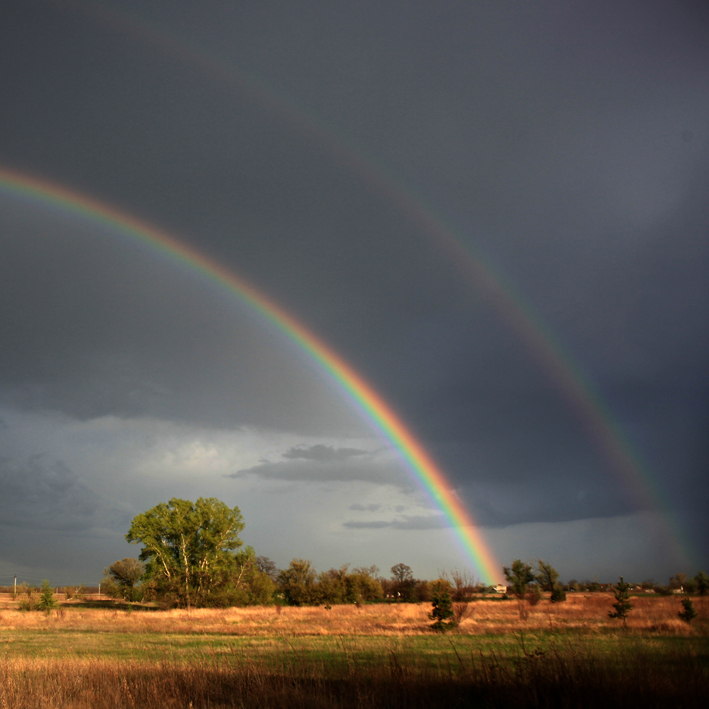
(15, 594)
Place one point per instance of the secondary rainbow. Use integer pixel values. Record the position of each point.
(559, 366)
(361, 393)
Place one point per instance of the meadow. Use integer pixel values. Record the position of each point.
(571, 654)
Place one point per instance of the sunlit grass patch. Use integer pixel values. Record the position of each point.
(566, 654)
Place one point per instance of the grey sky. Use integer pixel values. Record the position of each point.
(565, 144)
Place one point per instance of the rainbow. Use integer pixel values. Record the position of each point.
(561, 370)
(360, 392)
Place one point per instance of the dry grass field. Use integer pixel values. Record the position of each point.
(567, 654)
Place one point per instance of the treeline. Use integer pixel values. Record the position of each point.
(256, 580)
(192, 556)
(679, 583)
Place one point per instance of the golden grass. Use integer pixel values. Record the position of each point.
(587, 613)
(567, 655)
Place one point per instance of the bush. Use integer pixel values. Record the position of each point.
(534, 595)
(558, 594)
(30, 601)
(463, 610)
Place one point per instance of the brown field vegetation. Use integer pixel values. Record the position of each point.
(563, 655)
(581, 612)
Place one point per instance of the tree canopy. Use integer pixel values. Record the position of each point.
(547, 576)
(187, 547)
(519, 576)
(121, 578)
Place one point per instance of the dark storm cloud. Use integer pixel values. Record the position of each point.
(45, 494)
(565, 144)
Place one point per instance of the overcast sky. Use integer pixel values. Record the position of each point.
(358, 162)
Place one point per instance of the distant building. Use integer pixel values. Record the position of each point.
(500, 588)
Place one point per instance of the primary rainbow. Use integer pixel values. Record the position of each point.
(358, 390)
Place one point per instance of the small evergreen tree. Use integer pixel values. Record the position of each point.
(442, 607)
(622, 605)
(47, 602)
(688, 614)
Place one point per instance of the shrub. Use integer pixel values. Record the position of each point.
(558, 594)
(30, 601)
(688, 614)
(462, 610)
(534, 595)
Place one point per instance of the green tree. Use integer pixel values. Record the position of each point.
(344, 586)
(47, 602)
(363, 584)
(247, 585)
(402, 572)
(702, 581)
(297, 583)
(333, 587)
(268, 567)
(622, 606)
(187, 547)
(688, 614)
(442, 607)
(519, 576)
(122, 577)
(546, 576)
(404, 582)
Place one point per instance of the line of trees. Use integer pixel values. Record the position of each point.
(192, 556)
